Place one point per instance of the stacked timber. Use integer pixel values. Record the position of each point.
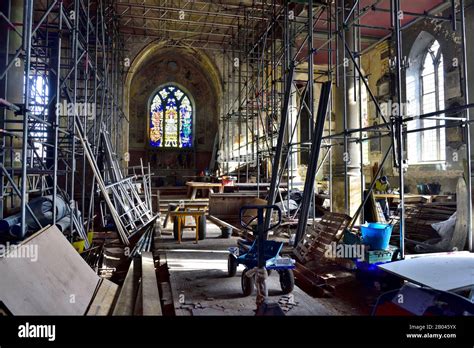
(420, 217)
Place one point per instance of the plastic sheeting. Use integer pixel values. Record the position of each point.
(42, 208)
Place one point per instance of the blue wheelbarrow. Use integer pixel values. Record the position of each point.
(264, 256)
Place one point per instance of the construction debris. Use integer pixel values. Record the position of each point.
(287, 302)
(144, 244)
(420, 217)
(129, 212)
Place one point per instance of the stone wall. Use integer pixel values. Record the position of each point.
(444, 173)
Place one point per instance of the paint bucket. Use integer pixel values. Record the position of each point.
(376, 235)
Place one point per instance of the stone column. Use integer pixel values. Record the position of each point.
(293, 159)
(352, 155)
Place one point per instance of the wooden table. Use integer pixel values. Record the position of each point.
(187, 207)
(180, 217)
(427, 198)
(194, 186)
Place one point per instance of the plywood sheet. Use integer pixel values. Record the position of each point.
(53, 280)
(104, 298)
(461, 228)
(441, 271)
(226, 207)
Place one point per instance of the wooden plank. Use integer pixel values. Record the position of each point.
(150, 295)
(187, 213)
(55, 280)
(162, 254)
(138, 308)
(310, 281)
(395, 195)
(420, 217)
(190, 205)
(104, 298)
(202, 184)
(185, 200)
(221, 223)
(461, 228)
(227, 207)
(126, 299)
(167, 295)
(260, 185)
(171, 190)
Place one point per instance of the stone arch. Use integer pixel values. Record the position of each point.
(192, 70)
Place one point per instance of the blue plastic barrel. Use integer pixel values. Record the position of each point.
(376, 235)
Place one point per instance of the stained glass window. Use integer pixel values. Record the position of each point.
(171, 119)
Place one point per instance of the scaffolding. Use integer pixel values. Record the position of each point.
(276, 63)
(73, 52)
(67, 58)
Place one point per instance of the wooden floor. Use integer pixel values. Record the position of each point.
(200, 285)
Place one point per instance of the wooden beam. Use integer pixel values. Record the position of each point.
(221, 223)
(126, 300)
(149, 286)
(104, 298)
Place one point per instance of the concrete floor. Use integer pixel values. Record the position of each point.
(201, 286)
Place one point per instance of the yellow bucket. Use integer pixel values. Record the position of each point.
(80, 244)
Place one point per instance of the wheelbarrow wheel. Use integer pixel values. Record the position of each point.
(175, 230)
(202, 228)
(287, 280)
(231, 265)
(248, 283)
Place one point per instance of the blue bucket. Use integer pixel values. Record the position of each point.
(376, 235)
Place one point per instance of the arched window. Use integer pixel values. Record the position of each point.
(171, 119)
(430, 143)
(433, 141)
